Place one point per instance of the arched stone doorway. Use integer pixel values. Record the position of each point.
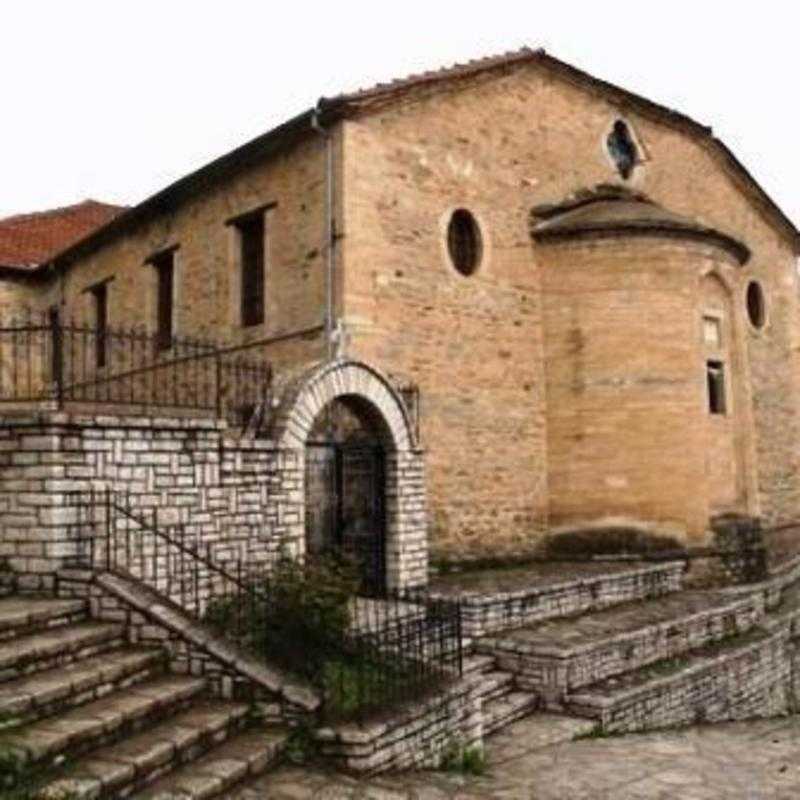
(349, 411)
(345, 487)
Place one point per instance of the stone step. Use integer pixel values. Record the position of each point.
(504, 710)
(52, 691)
(492, 685)
(182, 744)
(23, 615)
(246, 755)
(555, 657)
(741, 678)
(121, 713)
(541, 729)
(478, 664)
(56, 647)
(497, 600)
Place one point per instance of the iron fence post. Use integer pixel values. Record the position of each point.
(57, 344)
(109, 523)
(218, 370)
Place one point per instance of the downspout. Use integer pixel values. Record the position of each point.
(329, 234)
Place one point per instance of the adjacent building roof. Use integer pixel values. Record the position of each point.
(611, 212)
(329, 110)
(30, 240)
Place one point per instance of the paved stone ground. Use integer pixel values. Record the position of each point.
(737, 761)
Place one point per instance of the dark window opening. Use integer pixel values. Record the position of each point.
(464, 242)
(756, 306)
(715, 376)
(622, 149)
(164, 266)
(100, 299)
(251, 236)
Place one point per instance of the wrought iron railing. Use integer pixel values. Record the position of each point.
(43, 358)
(365, 655)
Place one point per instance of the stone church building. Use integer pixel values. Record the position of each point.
(584, 299)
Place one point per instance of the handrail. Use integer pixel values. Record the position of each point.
(156, 531)
(388, 649)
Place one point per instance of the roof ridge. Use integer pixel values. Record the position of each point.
(331, 109)
(57, 211)
(442, 73)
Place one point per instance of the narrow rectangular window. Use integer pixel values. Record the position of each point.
(100, 300)
(712, 334)
(715, 376)
(251, 237)
(164, 266)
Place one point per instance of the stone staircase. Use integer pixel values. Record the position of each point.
(103, 719)
(502, 702)
(624, 651)
(675, 659)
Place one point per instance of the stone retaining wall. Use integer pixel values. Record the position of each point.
(420, 736)
(747, 682)
(238, 498)
(485, 613)
(570, 665)
(234, 495)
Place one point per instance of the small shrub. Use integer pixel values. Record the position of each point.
(296, 616)
(467, 760)
(301, 746)
(595, 732)
(300, 618)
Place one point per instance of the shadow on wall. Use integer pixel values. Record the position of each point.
(608, 541)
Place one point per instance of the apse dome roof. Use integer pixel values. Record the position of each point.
(615, 212)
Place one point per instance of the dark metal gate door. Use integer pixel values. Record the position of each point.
(345, 507)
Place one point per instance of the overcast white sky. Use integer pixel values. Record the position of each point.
(113, 100)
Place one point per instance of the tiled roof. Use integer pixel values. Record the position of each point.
(28, 240)
(612, 211)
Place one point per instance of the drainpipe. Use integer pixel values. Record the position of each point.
(329, 265)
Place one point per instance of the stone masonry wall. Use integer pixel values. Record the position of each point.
(499, 145)
(241, 498)
(751, 682)
(418, 737)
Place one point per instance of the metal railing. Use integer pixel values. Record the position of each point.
(43, 358)
(365, 655)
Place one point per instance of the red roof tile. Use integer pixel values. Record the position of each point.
(28, 240)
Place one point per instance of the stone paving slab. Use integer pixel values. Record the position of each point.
(735, 761)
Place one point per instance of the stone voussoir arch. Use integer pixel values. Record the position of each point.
(311, 392)
(305, 395)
